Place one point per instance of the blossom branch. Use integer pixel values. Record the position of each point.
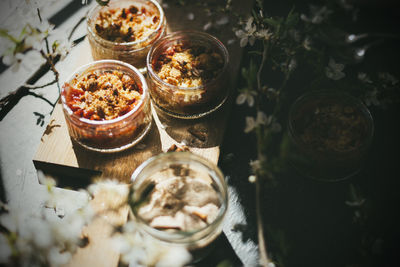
(263, 60)
(33, 87)
(43, 98)
(262, 247)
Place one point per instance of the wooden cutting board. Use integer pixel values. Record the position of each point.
(59, 156)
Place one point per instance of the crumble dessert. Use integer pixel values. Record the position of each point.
(125, 30)
(188, 74)
(126, 24)
(334, 128)
(106, 106)
(330, 133)
(187, 65)
(103, 95)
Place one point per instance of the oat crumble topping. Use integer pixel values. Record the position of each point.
(103, 95)
(126, 24)
(187, 65)
(334, 128)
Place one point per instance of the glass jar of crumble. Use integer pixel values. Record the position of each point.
(188, 74)
(180, 199)
(125, 30)
(329, 133)
(106, 106)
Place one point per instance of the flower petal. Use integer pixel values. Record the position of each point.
(240, 99)
(250, 100)
(250, 124)
(243, 41)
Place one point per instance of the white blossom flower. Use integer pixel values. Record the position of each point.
(58, 258)
(318, 14)
(39, 233)
(345, 4)
(307, 43)
(190, 16)
(364, 77)
(252, 179)
(247, 35)
(264, 34)
(62, 48)
(246, 96)
(139, 250)
(334, 70)
(256, 165)
(222, 21)
(207, 26)
(39, 31)
(44, 239)
(111, 186)
(48, 182)
(252, 123)
(34, 40)
(371, 97)
(13, 60)
(11, 220)
(387, 77)
(355, 203)
(292, 64)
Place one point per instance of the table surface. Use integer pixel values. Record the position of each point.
(313, 215)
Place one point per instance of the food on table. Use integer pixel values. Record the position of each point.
(188, 74)
(330, 133)
(187, 65)
(126, 24)
(103, 95)
(125, 30)
(334, 128)
(181, 204)
(180, 199)
(106, 106)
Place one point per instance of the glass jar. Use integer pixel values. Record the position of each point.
(194, 100)
(115, 134)
(329, 133)
(180, 186)
(132, 52)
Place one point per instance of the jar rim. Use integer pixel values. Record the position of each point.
(95, 10)
(185, 34)
(187, 157)
(81, 70)
(317, 94)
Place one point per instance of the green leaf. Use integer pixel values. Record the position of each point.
(225, 263)
(272, 22)
(255, 52)
(4, 33)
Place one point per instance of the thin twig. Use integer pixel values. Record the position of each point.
(262, 247)
(263, 60)
(75, 27)
(33, 87)
(43, 98)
